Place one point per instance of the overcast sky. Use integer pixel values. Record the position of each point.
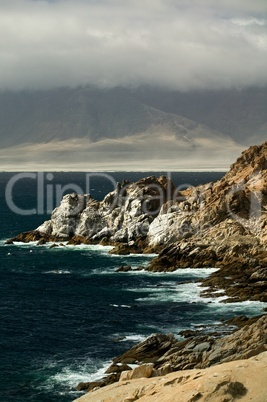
(181, 44)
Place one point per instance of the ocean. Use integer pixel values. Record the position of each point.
(65, 312)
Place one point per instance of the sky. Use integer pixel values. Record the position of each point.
(175, 44)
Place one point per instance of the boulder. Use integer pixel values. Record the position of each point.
(142, 371)
(149, 350)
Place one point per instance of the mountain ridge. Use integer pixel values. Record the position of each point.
(69, 128)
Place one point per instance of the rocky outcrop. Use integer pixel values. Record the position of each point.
(241, 380)
(221, 225)
(122, 217)
(234, 208)
(211, 224)
(161, 354)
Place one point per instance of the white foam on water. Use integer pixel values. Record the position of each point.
(120, 305)
(62, 245)
(58, 272)
(22, 244)
(134, 338)
(190, 293)
(90, 247)
(71, 375)
(250, 307)
(192, 273)
(101, 271)
(131, 255)
(187, 292)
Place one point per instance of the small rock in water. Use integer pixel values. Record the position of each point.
(124, 268)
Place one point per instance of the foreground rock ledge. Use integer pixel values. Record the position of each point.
(241, 380)
(161, 354)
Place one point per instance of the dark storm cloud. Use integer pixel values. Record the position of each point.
(179, 44)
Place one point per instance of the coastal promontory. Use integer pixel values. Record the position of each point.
(221, 225)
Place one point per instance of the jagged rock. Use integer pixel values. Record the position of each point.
(166, 354)
(204, 350)
(149, 350)
(33, 236)
(123, 216)
(239, 284)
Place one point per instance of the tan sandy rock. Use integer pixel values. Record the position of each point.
(242, 380)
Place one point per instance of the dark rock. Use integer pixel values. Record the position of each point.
(116, 368)
(126, 249)
(76, 240)
(149, 350)
(33, 235)
(124, 268)
(10, 241)
(54, 245)
(41, 242)
(90, 386)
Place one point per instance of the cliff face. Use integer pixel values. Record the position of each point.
(220, 225)
(124, 215)
(238, 201)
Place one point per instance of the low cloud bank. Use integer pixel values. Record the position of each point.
(175, 44)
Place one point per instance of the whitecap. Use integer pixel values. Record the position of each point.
(58, 272)
(71, 375)
(120, 305)
(190, 293)
(22, 244)
(90, 247)
(134, 338)
(133, 255)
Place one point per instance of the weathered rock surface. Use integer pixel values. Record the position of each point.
(161, 354)
(123, 216)
(221, 225)
(241, 380)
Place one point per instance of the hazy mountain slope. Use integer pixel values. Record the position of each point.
(63, 114)
(112, 129)
(241, 114)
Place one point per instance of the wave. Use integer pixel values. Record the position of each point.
(62, 245)
(58, 272)
(134, 338)
(64, 379)
(120, 305)
(131, 255)
(190, 293)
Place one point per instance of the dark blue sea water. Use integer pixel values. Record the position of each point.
(64, 312)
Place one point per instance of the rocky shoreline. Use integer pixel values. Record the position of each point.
(221, 225)
(239, 380)
(161, 354)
